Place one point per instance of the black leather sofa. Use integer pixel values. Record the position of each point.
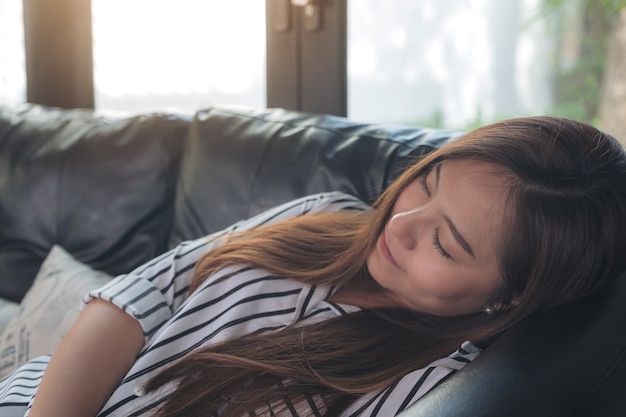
(116, 191)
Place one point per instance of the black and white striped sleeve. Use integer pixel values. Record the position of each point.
(154, 291)
(396, 398)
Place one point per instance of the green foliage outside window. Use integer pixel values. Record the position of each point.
(578, 83)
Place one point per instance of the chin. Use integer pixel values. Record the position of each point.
(375, 271)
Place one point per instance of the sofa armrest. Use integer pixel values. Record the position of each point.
(566, 362)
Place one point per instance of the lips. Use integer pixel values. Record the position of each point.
(384, 249)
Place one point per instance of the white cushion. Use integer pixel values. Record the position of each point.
(48, 309)
(8, 310)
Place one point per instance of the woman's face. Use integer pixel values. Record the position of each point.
(437, 253)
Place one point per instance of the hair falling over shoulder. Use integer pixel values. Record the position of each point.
(566, 239)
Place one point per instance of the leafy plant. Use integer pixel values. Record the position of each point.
(578, 84)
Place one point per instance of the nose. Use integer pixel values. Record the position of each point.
(404, 228)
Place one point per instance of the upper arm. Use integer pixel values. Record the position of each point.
(151, 293)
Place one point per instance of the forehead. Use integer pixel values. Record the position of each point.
(474, 196)
(477, 172)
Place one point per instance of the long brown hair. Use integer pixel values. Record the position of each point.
(566, 239)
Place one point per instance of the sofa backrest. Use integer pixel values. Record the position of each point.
(101, 187)
(239, 162)
(117, 191)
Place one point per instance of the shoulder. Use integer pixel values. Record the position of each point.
(328, 201)
(314, 203)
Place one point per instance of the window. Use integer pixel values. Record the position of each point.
(12, 72)
(442, 63)
(451, 63)
(185, 54)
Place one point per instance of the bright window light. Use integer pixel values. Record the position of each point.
(155, 54)
(446, 62)
(12, 64)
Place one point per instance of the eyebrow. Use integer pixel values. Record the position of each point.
(455, 232)
(459, 238)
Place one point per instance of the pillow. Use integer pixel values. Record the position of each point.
(8, 309)
(48, 309)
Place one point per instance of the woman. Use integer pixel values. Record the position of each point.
(339, 311)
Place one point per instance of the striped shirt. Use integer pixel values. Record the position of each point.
(175, 322)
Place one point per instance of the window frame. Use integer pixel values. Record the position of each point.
(306, 62)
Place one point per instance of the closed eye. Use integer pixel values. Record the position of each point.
(438, 247)
(424, 184)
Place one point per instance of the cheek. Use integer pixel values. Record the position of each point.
(432, 279)
(441, 288)
(428, 279)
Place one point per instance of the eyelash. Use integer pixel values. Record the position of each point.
(438, 246)
(424, 184)
(436, 243)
